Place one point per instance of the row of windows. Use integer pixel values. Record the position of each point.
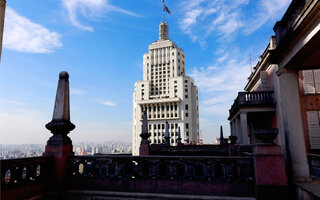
(162, 126)
(159, 141)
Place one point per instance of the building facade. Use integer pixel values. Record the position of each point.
(166, 93)
(283, 92)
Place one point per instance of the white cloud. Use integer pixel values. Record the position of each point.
(220, 85)
(225, 19)
(266, 10)
(108, 103)
(21, 34)
(90, 9)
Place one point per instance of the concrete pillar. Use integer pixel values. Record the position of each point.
(237, 129)
(293, 129)
(244, 128)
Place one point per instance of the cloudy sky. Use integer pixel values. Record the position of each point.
(101, 44)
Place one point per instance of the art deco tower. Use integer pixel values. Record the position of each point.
(166, 93)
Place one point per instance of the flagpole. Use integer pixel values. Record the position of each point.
(162, 10)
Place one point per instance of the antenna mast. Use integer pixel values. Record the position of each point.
(250, 64)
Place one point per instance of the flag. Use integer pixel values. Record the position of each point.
(165, 8)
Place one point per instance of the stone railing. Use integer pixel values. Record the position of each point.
(205, 175)
(314, 165)
(189, 150)
(247, 99)
(28, 174)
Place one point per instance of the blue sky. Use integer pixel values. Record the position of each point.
(101, 43)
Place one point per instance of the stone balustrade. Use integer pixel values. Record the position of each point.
(25, 177)
(206, 175)
(248, 99)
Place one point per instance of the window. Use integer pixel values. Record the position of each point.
(311, 81)
(186, 96)
(187, 133)
(187, 125)
(186, 106)
(187, 115)
(186, 90)
(175, 81)
(186, 81)
(142, 85)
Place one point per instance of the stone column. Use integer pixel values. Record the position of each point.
(244, 128)
(293, 129)
(60, 145)
(237, 129)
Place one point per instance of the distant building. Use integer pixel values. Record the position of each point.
(166, 93)
(2, 11)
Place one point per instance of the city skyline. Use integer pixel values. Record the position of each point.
(87, 39)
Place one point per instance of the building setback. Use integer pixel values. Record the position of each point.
(166, 93)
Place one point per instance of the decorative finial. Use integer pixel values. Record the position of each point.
(144, 134)
(221, 136)
(60, 124)
(167, 137)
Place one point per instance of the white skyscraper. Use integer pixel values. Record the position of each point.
(166, 93)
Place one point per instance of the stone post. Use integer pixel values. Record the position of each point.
(167, 136)
(145, 144)
(270, 173)
(222, 142)
(60, 145)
